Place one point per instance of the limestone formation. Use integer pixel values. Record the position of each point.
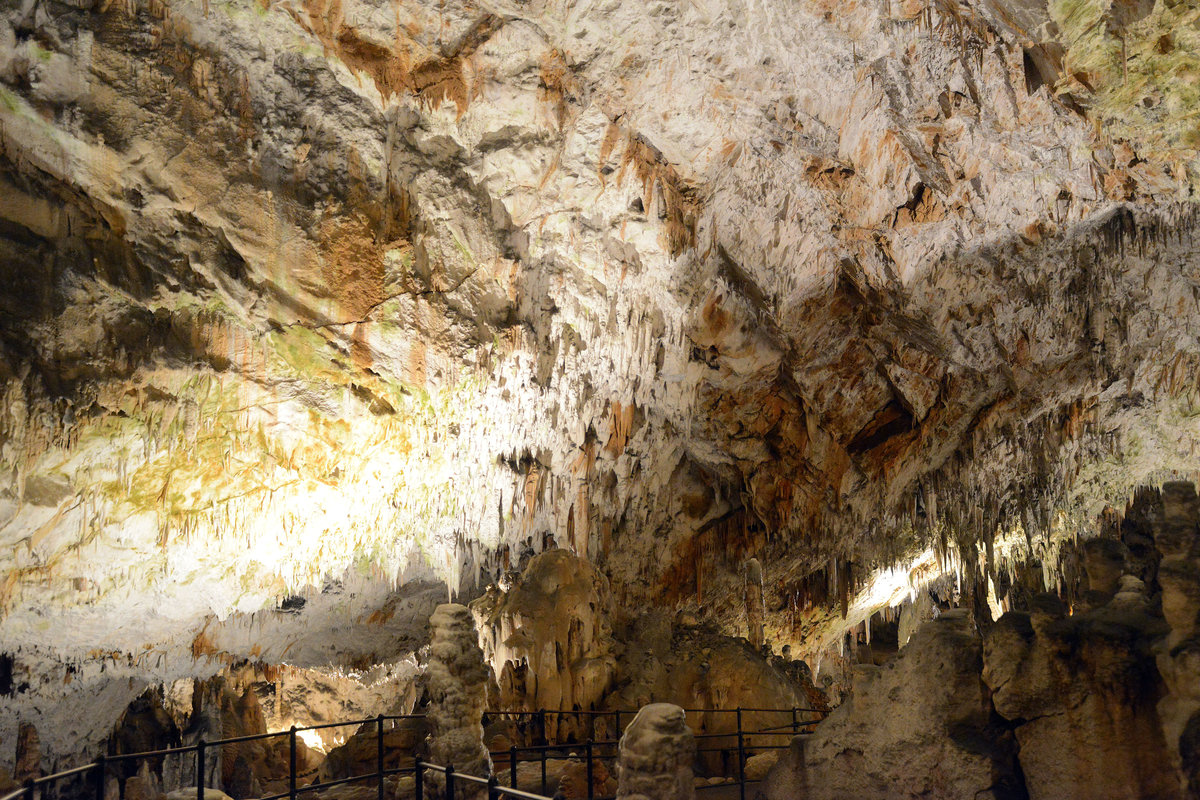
(316, 312)
(656, 752)
(1081, 691)
(548, 637)
(755, 612)
(28, 754)
(921, 726)
(1176, 535)
(456, 685)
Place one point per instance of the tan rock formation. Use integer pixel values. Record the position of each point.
(918, 727)
(548, 638)
(298, 292)
(457, 692)
(656, 752)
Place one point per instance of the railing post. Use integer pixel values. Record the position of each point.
(512, 758)
(292, 763)
(493, 793)
(200, 769)
(587, 748)
(795, 725)
(543, 789)
(30, 789)
(98, 778)
(741, 757)
(541, 718)
(449, 782)
(379, 751)
(418, 780)
(617, 720)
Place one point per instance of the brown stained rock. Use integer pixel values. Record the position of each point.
(1104, 562)
(573, 783)
(358, 756)
(28, 763)
(554, 624)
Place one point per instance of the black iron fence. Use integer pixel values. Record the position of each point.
(738, 746)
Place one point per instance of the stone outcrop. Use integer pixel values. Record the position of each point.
(920, 726)
(1052, 701)
(554, 644)
(656, 752)
(1102, 699)
(358, 756)
(1081, 693)
(1176, 535)
(456, 687)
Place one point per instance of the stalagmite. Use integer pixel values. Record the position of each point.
(755, 609)
(656, 752)
(457, 686)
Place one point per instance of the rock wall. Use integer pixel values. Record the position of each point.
(1176, 537)
(1093, 700)
(555, 641)
(920, 726)
(1102, 698)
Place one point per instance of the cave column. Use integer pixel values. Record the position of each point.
(457, 686)
(755, 607)
(656, 754)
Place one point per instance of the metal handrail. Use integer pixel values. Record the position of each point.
(99, 767)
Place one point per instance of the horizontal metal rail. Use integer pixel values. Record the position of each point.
(99, 768)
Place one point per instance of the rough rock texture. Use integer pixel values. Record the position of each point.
(1091, 699)
(457, 692)
(358, 756)
(555, 642)
(921, 726)
(656, 752)
(548, 637)
(699, 669)
(1176, 534)
(1102, 699)
(1082, 692)
(296, 288)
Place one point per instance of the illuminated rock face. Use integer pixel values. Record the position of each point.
(918, 727)
(1094, 701)
(554, 642)
(548, 638)
(301, 290)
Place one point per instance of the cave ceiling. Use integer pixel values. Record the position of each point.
(299, 289)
